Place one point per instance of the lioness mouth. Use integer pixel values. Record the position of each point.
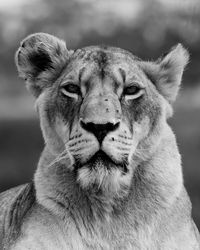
(100, 158)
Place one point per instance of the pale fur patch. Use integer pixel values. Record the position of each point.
(111, 181)
(51, 137)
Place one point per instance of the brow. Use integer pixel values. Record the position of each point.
(123, 74)
(82, 70)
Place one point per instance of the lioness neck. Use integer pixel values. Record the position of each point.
(156, 183)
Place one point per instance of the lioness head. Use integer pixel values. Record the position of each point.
(102, 105)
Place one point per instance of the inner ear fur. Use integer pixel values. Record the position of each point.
(166, 73)
(40, 59)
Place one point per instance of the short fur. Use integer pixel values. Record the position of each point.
(110, 175)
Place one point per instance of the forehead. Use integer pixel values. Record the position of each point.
(103, 60)
(103, 54)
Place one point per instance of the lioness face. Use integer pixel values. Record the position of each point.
(99, 104)
(101, 99)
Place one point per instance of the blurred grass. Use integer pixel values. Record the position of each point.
(20, 146)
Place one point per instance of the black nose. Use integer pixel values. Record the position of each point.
(99, 130)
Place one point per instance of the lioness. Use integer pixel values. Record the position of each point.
(110, 175)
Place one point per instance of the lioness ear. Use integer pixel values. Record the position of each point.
(166, 72)
(39, 59)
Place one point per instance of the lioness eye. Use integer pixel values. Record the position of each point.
(131, 90)
(70, 89)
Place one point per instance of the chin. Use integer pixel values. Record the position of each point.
(101, 173)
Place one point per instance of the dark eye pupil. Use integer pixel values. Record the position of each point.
(72, 88)
(131, 90)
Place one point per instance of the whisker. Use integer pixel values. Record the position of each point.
(58, 158)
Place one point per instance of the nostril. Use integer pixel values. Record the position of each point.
(112, 126)
(99, 130)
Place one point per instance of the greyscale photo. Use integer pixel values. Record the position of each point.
(100, 125)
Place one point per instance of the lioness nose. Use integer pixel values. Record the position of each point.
(99, 130)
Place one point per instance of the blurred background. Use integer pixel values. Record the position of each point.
(146, 28)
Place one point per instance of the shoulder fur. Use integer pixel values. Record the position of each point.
(14, 205)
